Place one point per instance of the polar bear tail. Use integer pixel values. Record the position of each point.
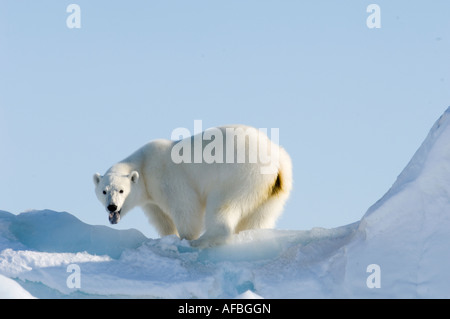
(283, 183)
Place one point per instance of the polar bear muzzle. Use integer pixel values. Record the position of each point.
(114, 217)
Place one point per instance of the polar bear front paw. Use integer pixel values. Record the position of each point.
(200, 243)
(207, 242)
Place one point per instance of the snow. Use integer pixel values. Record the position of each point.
(9, 289)
(249, 295)
(405, 235)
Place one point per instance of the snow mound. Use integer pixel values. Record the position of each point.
(407, 231)
(158, 268)
(9, 289)
(52, 231)
(399, 249)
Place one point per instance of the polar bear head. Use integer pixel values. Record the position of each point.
(116, 192)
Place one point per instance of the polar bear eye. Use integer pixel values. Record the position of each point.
(104, 192)
(121, 191)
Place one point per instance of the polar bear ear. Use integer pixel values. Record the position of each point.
(97, 177)
(134, 176)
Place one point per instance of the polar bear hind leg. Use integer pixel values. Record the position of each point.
(266, 214)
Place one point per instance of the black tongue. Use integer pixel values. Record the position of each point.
(114, 217)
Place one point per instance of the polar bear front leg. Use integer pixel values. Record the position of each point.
(162, 222)
(187, 217)
(219, 226)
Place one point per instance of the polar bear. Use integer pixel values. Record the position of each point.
(202, 188)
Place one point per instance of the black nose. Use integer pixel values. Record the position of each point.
(112, 208)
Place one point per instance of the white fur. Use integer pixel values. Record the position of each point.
(189, 199)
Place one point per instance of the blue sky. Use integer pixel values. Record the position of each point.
(352, 104)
